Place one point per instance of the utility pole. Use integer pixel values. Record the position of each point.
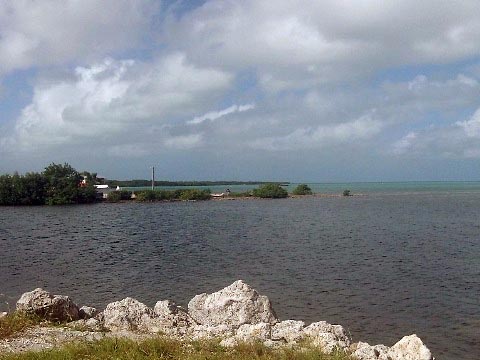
(153, 177)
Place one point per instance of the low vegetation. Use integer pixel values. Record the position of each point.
(302, 189)
(116, 196)
(241, 194)
(14, 323)
(170, 195)
(272, 191)
(164, 348)
(346, 193)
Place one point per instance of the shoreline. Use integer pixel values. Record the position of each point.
(233, 316)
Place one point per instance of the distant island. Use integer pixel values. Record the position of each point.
(145, 183)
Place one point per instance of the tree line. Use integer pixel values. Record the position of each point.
(58, 184)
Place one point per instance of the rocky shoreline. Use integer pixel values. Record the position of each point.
(236, 314)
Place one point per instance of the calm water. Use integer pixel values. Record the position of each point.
(358, 188)
(383, 265)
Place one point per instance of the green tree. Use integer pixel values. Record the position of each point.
(6, 185)
(302, 189)
(274, 191)
(63, 185)
(33, 189)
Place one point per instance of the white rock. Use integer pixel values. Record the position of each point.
(172, 314)
(234, 305)
(91, 324)
(48, 306)
(327, 336)
(288, 330)
(211, 332)
(364, 351)
(87, 312)
(128, 314)
(3, 314)
(253, 332)
(410, 348)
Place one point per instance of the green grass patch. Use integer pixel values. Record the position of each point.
(16, 322)
(164, 348)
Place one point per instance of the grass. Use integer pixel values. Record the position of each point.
(16, 322)
(164, 348)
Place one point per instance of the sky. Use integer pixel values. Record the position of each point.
(284, 90)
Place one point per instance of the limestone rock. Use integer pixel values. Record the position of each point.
(410, 348)
(91, 324)
(211, 331)
(364, 351)
(128, 314)
(87, 312)
(48, 306)
(171, 314)
(253, 332)
(327, 336)
(234, 305)
(288, 330)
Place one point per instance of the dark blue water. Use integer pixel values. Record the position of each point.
(382, 265)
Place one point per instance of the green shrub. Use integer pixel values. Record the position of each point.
(166, 195)
(146, 195)
(125, 194)
(114, 196)
(273, 191)
(195, 194)
(346, 193)
(302, 189)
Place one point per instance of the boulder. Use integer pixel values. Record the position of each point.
(47, 306)
(248, 333)
(234, 306)
(288, 331)
(3, 314)
(128, 314)
(87, 312)
(364, 351)
(211, 332)
(410, 348)
(171, 314)
(327, 336)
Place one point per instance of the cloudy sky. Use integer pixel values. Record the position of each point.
(292, 90)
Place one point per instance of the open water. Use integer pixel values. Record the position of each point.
(384, 265)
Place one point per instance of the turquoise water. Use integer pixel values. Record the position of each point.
(357, 187)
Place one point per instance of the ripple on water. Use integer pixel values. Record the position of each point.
(382, 266)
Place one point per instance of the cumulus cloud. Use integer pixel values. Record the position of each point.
(115, 101)
(37, 33)
(298, 75)
(298, 42)
(471, 126)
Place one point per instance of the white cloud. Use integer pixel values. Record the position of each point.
(184, 142)
(302, 43)
(115, 101)
(403, 145)
(471, 126)
(325, 135)
(50, 32)
(215, 115)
